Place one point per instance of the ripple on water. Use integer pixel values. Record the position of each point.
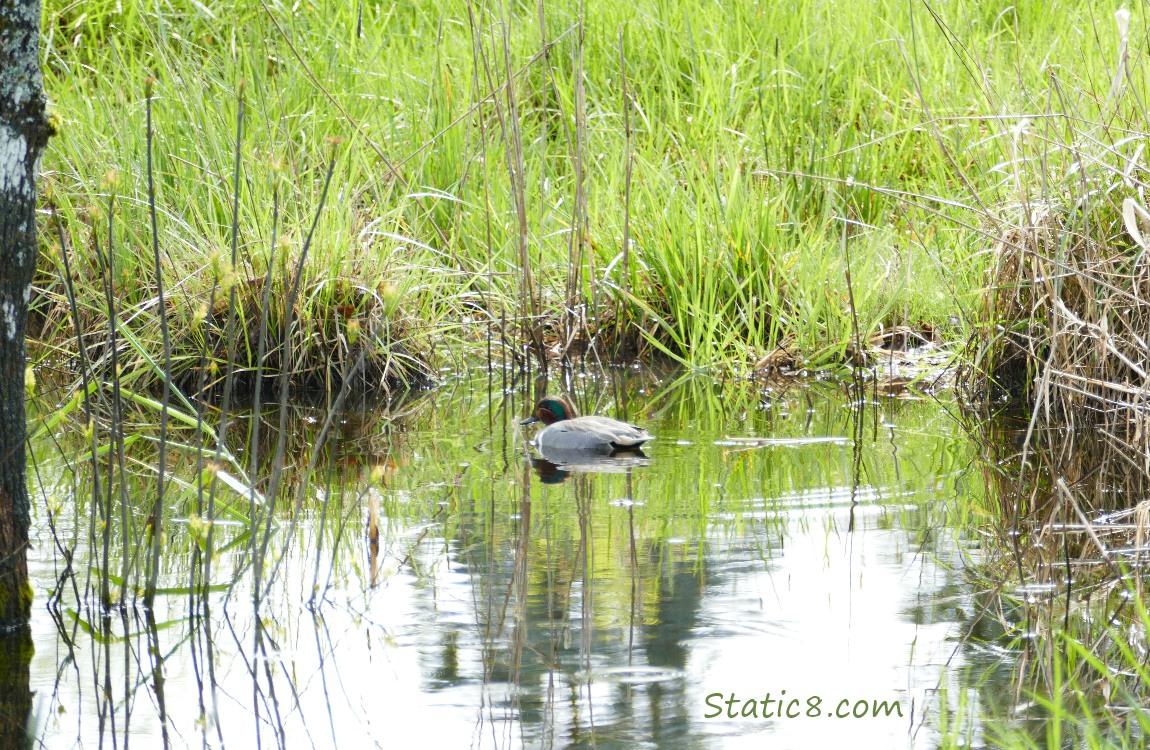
(636, 674)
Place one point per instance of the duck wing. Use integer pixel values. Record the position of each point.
(608, 431)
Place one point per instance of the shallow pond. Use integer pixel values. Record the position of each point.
(785, 569)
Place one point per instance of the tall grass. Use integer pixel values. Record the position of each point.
(484, 171)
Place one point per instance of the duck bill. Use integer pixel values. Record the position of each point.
(530, 420)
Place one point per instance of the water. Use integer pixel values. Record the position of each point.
(774, 547)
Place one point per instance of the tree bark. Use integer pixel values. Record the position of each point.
(24, 131)
(15, 688)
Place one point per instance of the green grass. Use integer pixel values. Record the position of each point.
(760, 133)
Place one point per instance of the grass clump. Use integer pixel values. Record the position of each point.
(1065, 312)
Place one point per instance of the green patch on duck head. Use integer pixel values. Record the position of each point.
(553, 409)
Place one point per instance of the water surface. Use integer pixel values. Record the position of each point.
(796, 539)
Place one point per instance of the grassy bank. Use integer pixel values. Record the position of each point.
(709, 207)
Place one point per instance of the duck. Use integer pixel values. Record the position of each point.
(566, 432)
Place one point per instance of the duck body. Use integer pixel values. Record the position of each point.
(566, 433)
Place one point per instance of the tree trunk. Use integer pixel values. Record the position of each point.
(24, 132)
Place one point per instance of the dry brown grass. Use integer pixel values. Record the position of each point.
(1066, 317)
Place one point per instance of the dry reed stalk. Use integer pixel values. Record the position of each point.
(628, 163)
(577, 256)
(529, 303)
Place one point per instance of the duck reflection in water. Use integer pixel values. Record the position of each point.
(555, 468)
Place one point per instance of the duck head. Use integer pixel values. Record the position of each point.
(549, 410)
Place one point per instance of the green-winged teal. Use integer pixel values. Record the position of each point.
(568, 433)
